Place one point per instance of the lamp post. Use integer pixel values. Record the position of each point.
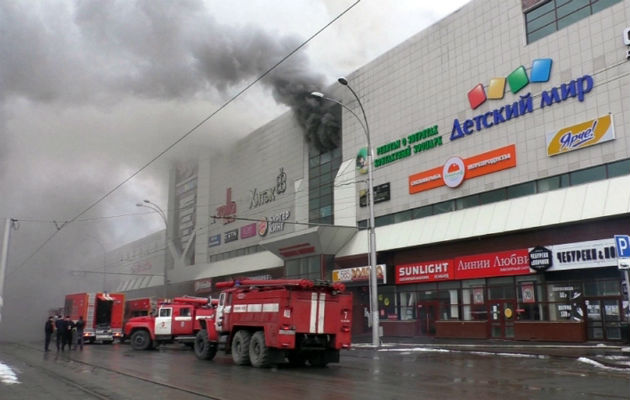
(372, 234)
(156, 208)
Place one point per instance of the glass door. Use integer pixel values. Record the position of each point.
(603, 319)
(427, 314)
(502, 314)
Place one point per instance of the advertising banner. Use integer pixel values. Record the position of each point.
(358, 274)
(456, 170)
(582, 135)
(590, 254)
(427, 271)
(505, 263)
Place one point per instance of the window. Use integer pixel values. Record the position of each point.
(588, 175)
(466, 202)
(492, 196)
(184, 312)
(165, 312)
(521, 190)
(558, 14)
(618, 168)
(306, 268)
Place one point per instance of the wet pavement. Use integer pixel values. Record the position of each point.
(401, 369)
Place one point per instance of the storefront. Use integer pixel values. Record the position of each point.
(567, 292)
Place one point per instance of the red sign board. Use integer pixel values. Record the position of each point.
(505, 263)
(427, 271)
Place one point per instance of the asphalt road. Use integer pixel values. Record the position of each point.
(118, 372)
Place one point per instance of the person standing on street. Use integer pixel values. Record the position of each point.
(67, 333)
(80, 325)
(49, 328)
(59, 328)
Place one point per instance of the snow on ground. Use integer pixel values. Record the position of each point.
(7, 375)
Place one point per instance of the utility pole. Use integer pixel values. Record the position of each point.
(4, 256)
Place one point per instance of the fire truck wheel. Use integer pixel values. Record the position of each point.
(140, 340)
(204, 350)
(259, 354)
(240, 347)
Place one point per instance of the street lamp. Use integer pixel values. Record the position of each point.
(372, 232)
(157, 209)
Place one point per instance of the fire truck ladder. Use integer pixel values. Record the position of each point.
(89, 320)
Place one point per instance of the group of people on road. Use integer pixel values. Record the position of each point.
(68, 333)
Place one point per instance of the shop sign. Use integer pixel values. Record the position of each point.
(590, 254)
(273, 224)
(248, 231)
(265, 196)
(359, 274)
(505, 263)
(214, 240)
(381, 193)
(429, 271)
(540, 258)
(455, 170)
(517, 80)
(415, 143)
(227, 212)
(231, 236)
(582, 135)
(203, 286)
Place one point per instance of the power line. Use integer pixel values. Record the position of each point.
(188, 133)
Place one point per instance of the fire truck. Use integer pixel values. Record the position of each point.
(102, 313)
(176, 321)
(264, 322)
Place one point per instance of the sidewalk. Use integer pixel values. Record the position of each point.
(608, 354)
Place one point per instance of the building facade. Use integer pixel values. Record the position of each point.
(501, 174)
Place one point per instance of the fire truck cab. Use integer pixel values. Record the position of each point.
(175, 321)
(264, 322)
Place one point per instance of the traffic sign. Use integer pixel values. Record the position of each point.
(622, 242)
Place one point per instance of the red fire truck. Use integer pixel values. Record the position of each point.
(176, 321)
(262, 322)
(102, 313)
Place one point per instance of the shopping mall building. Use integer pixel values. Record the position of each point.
(501, 175)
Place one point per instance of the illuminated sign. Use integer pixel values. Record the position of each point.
(453, 170)
(582, 135)
(362, 161)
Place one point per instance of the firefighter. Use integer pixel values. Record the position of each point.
(49, 328)
(79, 326)
(59, 329)
(66, 335)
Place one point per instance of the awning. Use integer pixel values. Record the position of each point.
(310, 241)
(601, 199)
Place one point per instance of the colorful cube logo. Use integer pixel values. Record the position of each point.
(517, 79)
(476, 96)
(496, 88)
(541, 69)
